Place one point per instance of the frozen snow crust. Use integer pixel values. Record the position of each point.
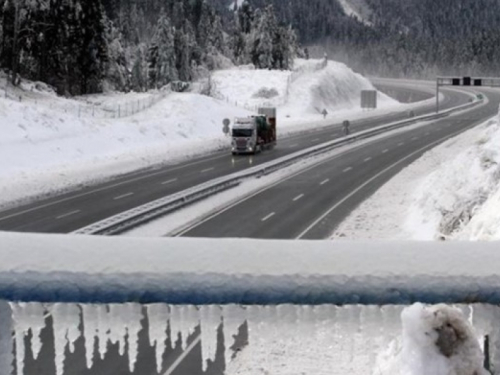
(49, 143)
(190, 271)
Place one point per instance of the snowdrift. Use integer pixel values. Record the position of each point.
(301, 94)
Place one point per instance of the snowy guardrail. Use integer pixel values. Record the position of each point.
(90, 269)
(140, 215)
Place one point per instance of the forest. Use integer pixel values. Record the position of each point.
(401, 38)
(87, 46)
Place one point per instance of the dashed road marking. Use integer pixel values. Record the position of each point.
(169, 181)
(68, 214)
(368, 159)
(298, 197)
(401, 144)
(325, 182)
(207, 170)
(269, 216)
(123, 196)
(385, 151)
(347, 169)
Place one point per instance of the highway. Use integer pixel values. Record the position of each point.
(70, 211)
(309, 205)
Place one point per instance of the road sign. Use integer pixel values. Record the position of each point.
(225, 129)
(369, 99)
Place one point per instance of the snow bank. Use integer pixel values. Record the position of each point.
(435, 340)
(451, 192)
(43, 149)
(300, 95)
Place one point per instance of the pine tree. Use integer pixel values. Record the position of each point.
(161, 55)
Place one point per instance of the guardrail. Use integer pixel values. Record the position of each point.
(127, 220)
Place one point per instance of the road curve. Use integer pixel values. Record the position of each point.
(311, 204)
(73, 210)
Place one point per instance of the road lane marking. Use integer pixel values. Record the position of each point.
(169, 181)
(355, 191)
(207, 170)
(122, 196)
(401, 144)
(325, 182)
(269, 216)
(315, 140)
(68, 214)
(184, 354)
(368, 159)
(385, 151)
(347, 169)
(298, 197)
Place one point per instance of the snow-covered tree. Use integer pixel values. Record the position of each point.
(161, 55)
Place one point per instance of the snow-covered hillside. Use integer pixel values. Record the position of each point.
(49, 143)
(451, 192)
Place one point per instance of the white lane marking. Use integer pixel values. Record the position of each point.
(315, 140)
(109, 187)
(385, 151)
(298, 197)
(169, 181)
(269, 216)
(68, 214)
(368, 159)
(207, 170)
(347, 169)
(325, 182)
(355, 191)
(123, 196)
(401, 144)
(178, 361)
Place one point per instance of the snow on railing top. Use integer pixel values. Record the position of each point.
(55, 268)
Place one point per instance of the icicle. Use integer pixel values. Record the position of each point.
(183, 320)
(27, 316)
(210, 319)
(90, 326)
(158, 316)
(66, 321)
(233, 319)
(102, 329)
(134, 316)
(116, 324)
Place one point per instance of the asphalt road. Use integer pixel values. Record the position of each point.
(73, 210)
(311, 204)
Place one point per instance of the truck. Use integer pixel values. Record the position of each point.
(253, 134)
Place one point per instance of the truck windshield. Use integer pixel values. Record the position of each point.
(242, 132)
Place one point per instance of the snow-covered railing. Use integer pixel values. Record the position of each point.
(301, 305)
(69, 268)
(143, 214)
